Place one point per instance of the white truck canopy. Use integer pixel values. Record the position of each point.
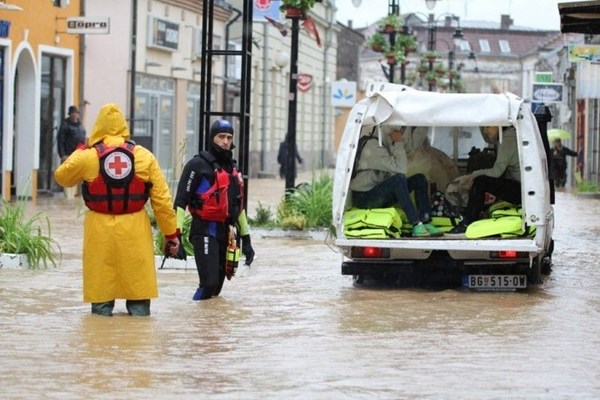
(391, 104)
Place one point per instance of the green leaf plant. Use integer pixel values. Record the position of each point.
(28, 236)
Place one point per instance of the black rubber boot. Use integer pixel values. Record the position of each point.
(104, 309)
(138, 308)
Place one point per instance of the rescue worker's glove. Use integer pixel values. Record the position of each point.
(173, 246)
(247, 249)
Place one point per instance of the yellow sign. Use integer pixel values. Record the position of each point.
(584, 52)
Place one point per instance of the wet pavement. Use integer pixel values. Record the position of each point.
(293, 327)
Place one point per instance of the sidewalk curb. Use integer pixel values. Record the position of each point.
(279, 233)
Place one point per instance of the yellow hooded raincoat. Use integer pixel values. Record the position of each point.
(118, 256)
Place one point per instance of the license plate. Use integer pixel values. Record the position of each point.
(496, 282)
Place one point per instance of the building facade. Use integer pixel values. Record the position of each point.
(315, 123)
(164, 39)
(39, 80)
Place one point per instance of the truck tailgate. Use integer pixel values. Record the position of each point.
(521, 244)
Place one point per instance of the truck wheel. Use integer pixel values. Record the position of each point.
(546, 265)
(534, 277)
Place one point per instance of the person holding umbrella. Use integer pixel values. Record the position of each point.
(559, 162)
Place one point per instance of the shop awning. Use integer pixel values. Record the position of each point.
(580, 17)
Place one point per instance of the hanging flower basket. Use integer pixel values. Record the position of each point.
(390, 23)
(292, 12)
(431, 78)
(296, 9)
(391, 58)
(377, 42)
(440, 70)
(453, 74)
(430, 56)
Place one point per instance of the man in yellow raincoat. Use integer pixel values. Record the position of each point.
(118, 178)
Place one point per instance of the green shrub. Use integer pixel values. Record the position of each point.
(587, 187)
(308, 206)
(264, 217)
(19, 235)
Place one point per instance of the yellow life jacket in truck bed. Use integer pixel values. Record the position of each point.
(374, 223)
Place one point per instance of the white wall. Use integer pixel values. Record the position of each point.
(107, 58)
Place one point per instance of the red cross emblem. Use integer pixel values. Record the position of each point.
(117, 165)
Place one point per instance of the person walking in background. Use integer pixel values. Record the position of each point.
(212, 189)
(70, 135)
(118, 248)
(283, 155)
(559, 163)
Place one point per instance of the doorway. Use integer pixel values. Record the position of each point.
(52, 106)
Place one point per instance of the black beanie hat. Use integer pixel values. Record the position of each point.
(220, 126)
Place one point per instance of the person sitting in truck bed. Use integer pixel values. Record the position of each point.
(502, 180)
(380, 181)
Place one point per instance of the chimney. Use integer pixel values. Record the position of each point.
(350, 23)
(505, 21)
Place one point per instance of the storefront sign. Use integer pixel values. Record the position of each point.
(163, 34)
(88, 25)
(266, 8)
(305, 81)
(544, 76)
(584, 52)
(547, 93)
(343, 94)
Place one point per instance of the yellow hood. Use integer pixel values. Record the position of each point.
(110, 124)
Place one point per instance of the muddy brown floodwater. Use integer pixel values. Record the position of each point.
(296, 328)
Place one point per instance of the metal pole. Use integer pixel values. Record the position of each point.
(431, 42)
(450, 66)
(394, 9)
(133, 67)
(392, 65)
(291, 131)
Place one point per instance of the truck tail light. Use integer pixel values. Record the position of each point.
(508, 254)
(370, 252)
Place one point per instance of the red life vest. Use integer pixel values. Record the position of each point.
(116, 189)
(224, 200)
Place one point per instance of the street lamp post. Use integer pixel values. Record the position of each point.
(292, 100)
(432, 40)
(393, 9)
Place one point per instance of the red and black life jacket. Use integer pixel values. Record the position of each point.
(224, 200)
(116, 189)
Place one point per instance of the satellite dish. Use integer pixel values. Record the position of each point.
(356, 3)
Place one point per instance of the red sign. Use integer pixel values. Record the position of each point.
(304, 82)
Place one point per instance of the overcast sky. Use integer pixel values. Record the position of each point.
(542, 14)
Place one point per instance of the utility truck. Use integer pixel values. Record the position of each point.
(444, 129)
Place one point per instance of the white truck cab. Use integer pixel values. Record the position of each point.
(449, 124)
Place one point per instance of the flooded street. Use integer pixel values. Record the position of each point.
(297, 328)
